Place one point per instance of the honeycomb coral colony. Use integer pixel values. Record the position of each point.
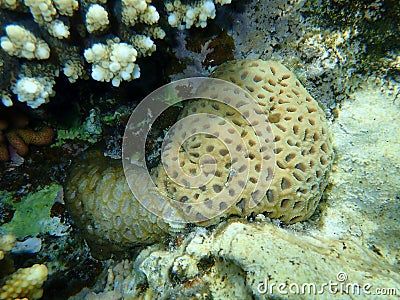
(112, 60)
(99, 198)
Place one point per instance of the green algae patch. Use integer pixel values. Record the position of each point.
(32, 214)
(89, 131)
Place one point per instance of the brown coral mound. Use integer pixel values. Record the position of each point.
(17, 142)
(15, 133)
(302, 147)
(41, 137)
(4, 156)
(20, 139)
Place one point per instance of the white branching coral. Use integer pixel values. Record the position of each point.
(185, 15)
(34, 91)
(6, 99)
(22, 43)
(45, 12)
(58, 29)
(138, 11)
(66, 7)
(73, 69)
(154, 32)
(10, 4)
(24, 283)
(109, 36)
(143, 44)
(7, 242)
(114, 61)
(96, 18)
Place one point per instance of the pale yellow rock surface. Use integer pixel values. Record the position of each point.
(241, 260)
(363, 201)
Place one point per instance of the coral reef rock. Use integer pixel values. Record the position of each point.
(240, 260)
(363, 200)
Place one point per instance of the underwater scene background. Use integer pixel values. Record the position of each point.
(282, 182)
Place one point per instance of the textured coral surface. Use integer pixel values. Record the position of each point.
(297, 160)
(101, 203)
(297, 168)
(26, 282)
